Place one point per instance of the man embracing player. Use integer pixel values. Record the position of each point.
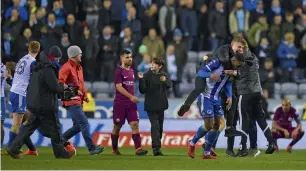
(125, 106)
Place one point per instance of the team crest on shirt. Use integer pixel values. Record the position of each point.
(117, 120)
(289, 119)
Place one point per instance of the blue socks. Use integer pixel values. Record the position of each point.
(199, 134)
(210, 138)
(12, 136)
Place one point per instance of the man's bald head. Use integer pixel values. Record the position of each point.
(286, 104)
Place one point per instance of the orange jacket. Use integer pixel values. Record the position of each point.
(72, 73)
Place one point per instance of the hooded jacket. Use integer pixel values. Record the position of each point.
(43, 89)
(155, 91)
(248, 80)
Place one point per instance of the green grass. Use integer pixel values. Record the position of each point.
(174, 159)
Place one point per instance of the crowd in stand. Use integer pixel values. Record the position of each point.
(274, 29)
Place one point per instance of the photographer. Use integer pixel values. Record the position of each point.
(42, 100)
(155, 84)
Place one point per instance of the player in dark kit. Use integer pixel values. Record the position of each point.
(125, 104)
(282, 124)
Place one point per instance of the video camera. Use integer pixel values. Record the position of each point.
(69, 92)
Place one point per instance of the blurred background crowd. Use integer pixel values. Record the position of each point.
(181, 31)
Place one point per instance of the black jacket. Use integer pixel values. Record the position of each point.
(155, 91)
(43, 89)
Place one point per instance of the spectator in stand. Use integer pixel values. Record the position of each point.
(21, 10)
(263, 50)
(300, 30)
(189, 24)
(92, 8)
(275, 34)
(74, 29)
(142, 6)
(298, 13)
(116, 11)
(179, 9)
(239, 20)
(249, 5)
(128, 41)
(287, 54)
(32, 7)
(105, 15)
(107, 58)
(180, 53)
(142, 51)
(154, 44)
(71, 6)
(167, 20)
(203, 31)
(288, 25)
(22, 43)
(145, 65)
(54, 32)
(268, 77)
(7, 46)
(255, 13)
(301, 27)
(65, 43)
(41, 15)
(35, 26)
(59, 13)
(125, 10)
(133, 23)
(14, 23)
(149, 20)
(257, 30)
(275, 9)
(172, 69)
(217, 25)
(90, 49)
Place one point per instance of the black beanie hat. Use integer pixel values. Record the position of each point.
(55, 52)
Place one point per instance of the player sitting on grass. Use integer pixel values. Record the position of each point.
(282, 124)
(125, 106)
(216, 80)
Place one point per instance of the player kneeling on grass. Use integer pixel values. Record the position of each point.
(125, 103)
(212, 111)
(282, 124)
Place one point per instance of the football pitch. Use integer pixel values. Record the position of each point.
(174, 159)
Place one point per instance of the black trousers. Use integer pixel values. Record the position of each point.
(157, 122)
(200, 85)
(48, 127)
(231, 115)
(250, 111)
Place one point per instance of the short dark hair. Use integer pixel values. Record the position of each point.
(126, 51)
(239, 57)
(158, 61)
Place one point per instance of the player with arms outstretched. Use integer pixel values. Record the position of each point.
(212, 112)
(18, 94)
(282, 124)
(125, 104)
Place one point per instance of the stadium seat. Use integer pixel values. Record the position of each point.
(290, 90)
(186, 88)
(100, 87)
(277, 90)
(88, 86)
(192, 56)
(189, 72)
(302, 90)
